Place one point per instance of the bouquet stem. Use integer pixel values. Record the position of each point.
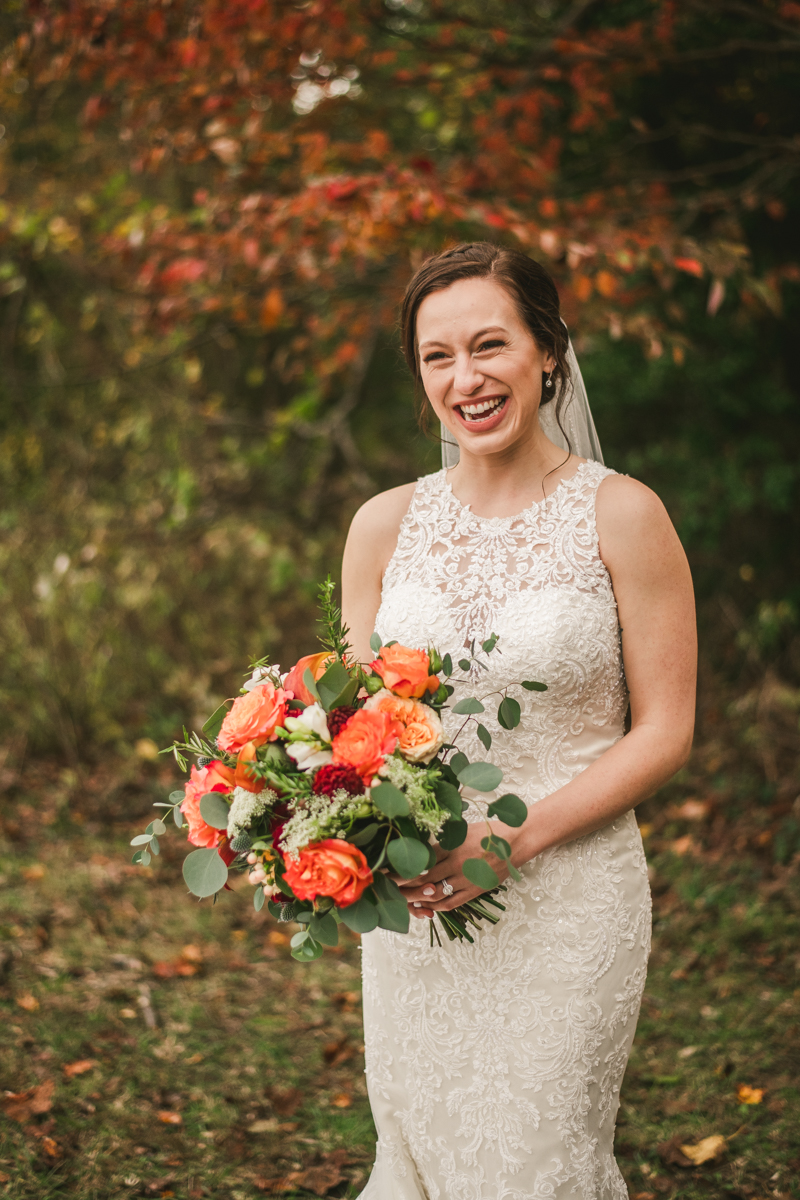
(455, 922)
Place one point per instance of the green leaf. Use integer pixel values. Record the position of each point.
(464, 663)
(375, 643)
(346, 696)
(478, 871)
(177, 797)
(480, 776)
(137, 858)
(508, 714)
(361, 917)
(386, 889)
(330, 685)
(214, 810)
(393, 915)
(447, 665)
(459, 761)
(408, 857)
(470, 705)
(485, 736)
(159, 827)
(310, 682)
(141, 839)
(259, 899)
(324, 929)
(513, 872)
(490, 643)
(496, 845)
(534, 687)
(154, 846)
(452, 834)
(298, 939)
(448, 797)
(390, 800)
(177, 817)
(214, 722)
(145, 859)
(204, 872)
(509, 809)
(308, 951)
(364, 836)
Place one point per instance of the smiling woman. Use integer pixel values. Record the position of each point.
(494, 1069)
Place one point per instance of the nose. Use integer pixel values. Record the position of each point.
(467, 378)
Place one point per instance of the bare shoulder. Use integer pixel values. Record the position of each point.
(381, 515)
(634, 527)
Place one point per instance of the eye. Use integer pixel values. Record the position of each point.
(491, 344)
(433, 356)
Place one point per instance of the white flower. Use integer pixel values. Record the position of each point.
(308, 755)
(246, 807)
(260, 674)
(311, 721)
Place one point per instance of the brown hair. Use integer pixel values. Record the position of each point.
(528, 284)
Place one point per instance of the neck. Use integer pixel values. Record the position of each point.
(504, 483)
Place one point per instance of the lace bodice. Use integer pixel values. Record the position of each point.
(536, 580)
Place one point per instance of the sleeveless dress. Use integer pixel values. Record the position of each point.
(494, 1069)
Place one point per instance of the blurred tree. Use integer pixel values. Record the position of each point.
(209, 213)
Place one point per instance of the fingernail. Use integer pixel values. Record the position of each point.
(421, 872)
(417, 904)
(429, 891)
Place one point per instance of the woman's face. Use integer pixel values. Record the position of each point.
(480, 366)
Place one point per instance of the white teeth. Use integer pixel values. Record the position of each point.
(472, 411)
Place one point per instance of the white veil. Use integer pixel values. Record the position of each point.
(576, 418)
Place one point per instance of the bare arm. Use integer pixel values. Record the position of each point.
(653, 588)
(370, 544)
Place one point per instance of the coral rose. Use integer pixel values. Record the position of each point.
(422, 730)
(253, 718)
(405, 672)
(317, 664)
(365, 741)
(216, 777)
(329, 868)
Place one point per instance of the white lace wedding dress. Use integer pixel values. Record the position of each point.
(494, 1069)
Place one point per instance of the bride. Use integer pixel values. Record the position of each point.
(494, 1069)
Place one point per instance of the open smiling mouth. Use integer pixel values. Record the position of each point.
(481, 410)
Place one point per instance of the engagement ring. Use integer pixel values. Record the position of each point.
(447, 888)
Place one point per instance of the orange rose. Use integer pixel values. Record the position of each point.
(216, 777)
(365, 741)
(330, 868)
(253, 718)
(405, 672)
(317, 664)
(422, 730)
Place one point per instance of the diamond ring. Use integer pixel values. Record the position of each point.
(447, 888)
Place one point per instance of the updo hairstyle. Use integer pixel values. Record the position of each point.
(528, 284)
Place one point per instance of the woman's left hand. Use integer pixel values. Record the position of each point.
(424, 894)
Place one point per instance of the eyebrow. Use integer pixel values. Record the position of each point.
(479, 334)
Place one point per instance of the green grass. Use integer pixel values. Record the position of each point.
(260, 1058)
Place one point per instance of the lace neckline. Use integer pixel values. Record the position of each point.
(530, 510)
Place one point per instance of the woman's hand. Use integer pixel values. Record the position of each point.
(424, 894)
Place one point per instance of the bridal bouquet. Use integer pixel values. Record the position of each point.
(323, 781)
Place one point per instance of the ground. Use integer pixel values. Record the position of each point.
(156, 1046)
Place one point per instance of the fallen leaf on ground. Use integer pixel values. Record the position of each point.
(193, 1059)
(336, 1053)
(4, 1178)
(28, 1001)
(342, 1100)
(169, 1118)
(705, 1150)
(682, 845)
(50, 1148)
(129, 1014)
(319, 1180)
(749, 1095)
(170, 968)
(286, 1101)
(346, 1000)
(276, 938)
(688, 1051)
(192, 953)
(21, 1106)
(266, 1125)
(34, 872)
(80, 1067)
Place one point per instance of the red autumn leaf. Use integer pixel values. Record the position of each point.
(21, 1106)
(80, 1067)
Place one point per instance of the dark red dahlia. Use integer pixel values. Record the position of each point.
(338, 718)
(331, 778)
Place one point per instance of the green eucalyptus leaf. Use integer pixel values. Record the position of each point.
(386, 889)
(159, 827)
(490, 643)
(177, 817)
(204, 872)
(390, 800)
(141, 839)
(361, 917)
(509, 809)
(298, 939)
(332, 683)
(534, 687)
(364, 836)
(508, 714)
(259, 899)
(309, 950)
(513, 872)
(310, 682)
(496, 845)
(464, 663)
(154, 846)
(214, 810)
(478, 871)
(375, 643)
(214, 722)
(177, 797)
(452, 834)
(137, 858)
(324, 929)
(459, 761)
(468, 706)
(393, 915)
(408, 857)
(480, 776)
(447, 665)
(145, 859)
(448, 797)
(485, 736)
